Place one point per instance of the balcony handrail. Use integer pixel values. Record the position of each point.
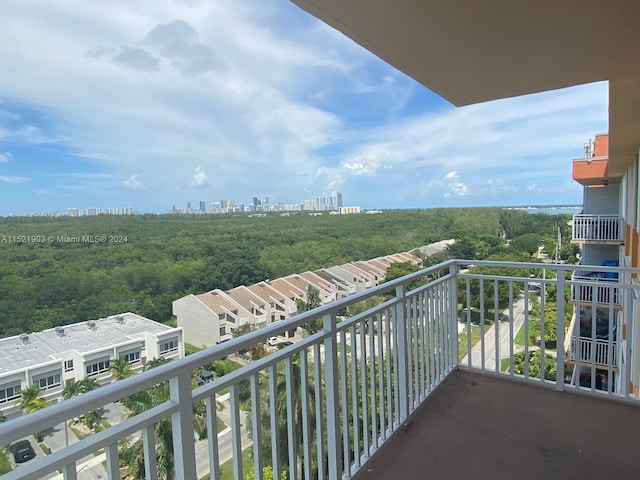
(95, 399)
(591, 159)
(598, 227)
(598, 350)
(418, 341)
(613, 216)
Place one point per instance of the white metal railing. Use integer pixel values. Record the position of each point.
(598, 228)
(321, 407)
(583, 347)
(596, 285)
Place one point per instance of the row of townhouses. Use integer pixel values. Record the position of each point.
(210, 318)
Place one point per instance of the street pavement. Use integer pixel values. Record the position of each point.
(504, 342)
(225, 451)
(57, 438)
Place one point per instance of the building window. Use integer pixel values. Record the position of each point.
(68, 365)
(97, 368)
(223, 331)
(133, 357)
(169, 346)
(49, 382)
(9, 392)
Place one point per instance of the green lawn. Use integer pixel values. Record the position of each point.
(505, 364)
(226, 469)
(221, 425)
(462, 340)
(189, 349)
(519, 338)
(172, 322)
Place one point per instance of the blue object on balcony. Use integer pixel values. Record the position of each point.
(610, 263)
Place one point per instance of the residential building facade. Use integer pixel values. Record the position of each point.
(52, 358)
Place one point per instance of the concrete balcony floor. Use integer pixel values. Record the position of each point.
(482, 427)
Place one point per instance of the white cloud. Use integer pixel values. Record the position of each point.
(358, 168)
(132, 182)
(261, 94)
(13, 179)
(200, 179)
(336, 183)
(5, 157)
(450, 185)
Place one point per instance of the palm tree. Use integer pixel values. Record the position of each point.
(298, 415)
(156, 362)
(132, 454)
(75, 388)
(120, 368)
(31, 399)
(71, 390)
(88, 384)
(313, 301)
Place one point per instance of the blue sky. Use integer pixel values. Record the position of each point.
(155, 104)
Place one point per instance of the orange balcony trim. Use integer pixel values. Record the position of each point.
(591, 171)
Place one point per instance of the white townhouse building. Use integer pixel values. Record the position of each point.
(54, 357)
(210, 318)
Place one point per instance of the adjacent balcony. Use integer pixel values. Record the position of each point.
(591, 171)
(593, 335)
(586, 350)
(595, 287)
(598, 229)
(410, 388)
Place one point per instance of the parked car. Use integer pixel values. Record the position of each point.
(282, 345)
(462, 316)
(272, 341)
(22, 451)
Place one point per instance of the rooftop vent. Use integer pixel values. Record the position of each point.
(60, 331)
(24, 338)
(120, 319)
(92, 325)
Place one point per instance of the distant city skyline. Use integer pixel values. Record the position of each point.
(322, 203)
(260, 97)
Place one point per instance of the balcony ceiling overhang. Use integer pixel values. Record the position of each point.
(471, 51)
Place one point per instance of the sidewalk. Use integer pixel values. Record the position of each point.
(90, 470)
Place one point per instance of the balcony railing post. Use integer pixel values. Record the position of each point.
(402, 345)
(333, 398)
(182, 427)
(453, 312)
(560, 285)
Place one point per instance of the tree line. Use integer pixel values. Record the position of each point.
(47, 279)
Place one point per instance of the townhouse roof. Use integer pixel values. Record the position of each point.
(370, 269)
(358, 272)
(246, 298)
(28, 350)
(317, 280)
(267, 292)
(381, 263)
(287, 289)
(220, 303)
(299, 282)
(401, 257)
(332, 278)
